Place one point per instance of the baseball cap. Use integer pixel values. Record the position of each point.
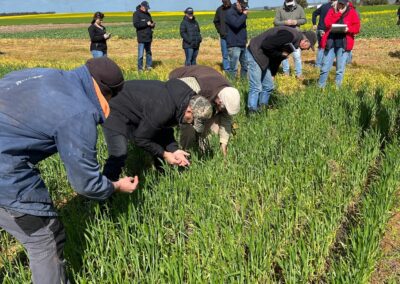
(189, 11)
(244, 3)
(202, 111)
(145, 4)
(107, 75)
(312, 38)
(230, 97)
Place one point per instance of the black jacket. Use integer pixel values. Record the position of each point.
(144, 32)
(146, 111)
(97, 40)
(267, 48)
(190, 33)
(322, 11)
(219, 21)
(236, 35)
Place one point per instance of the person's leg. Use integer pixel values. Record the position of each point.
(286, 67)
(267, 87)
(297, 62)
(140, 56)
(234, 53)
(188, 136)
(194, 56)
(320, 51)
(188, 56)
(341, 61)
(225, 57)
(243, 63)
(44, 239)
(117, 145)
(255, 85)
(349, 57)
(149, 57)
(327, 62)
(97, 53)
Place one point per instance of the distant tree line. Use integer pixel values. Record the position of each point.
(24, 13)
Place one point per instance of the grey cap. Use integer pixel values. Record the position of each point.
(202, 111)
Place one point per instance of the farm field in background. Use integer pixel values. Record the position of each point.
(305, 195)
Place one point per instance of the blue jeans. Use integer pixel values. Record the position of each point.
(98, 53)
(191, 56)
(225, 54)
(141, 48)
(320, 52)
(297, 63)
(261, 84)
(236, 55)
(329, 56)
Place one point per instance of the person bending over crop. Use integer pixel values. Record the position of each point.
(146, 112)
(265, 53)
(42, 112)
(210, 84)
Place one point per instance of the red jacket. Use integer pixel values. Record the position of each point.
(351, 20)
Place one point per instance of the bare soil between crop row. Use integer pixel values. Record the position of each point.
(372, 54)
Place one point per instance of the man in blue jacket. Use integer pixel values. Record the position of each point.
(321, 11)
(42, 112)
(236, 37)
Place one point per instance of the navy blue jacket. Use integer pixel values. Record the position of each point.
(42, 112)
(236, 27)
(190, 33)
(322, 11)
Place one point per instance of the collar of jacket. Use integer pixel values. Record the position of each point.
(86, 80)
(290, 9)
(189, 20)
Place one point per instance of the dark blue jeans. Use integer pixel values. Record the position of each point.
(225, 54)
(236, 55)
(149, 61)
(191, 56)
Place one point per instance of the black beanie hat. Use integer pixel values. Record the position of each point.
(107, 75)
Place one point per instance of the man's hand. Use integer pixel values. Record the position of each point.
(314, 27)
(171, 159)
(126, 184)
(245, 12)
(285, 54)
(291, 22)
(224, 149)
(346, 29)
(182, 156)
(107, 36)
(149, 23)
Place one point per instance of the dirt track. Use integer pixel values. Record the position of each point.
(32, 28)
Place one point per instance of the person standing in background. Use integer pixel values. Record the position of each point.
(338, 44)
(220, 25)
(321, 11)
(191, 37)
(98, 36)
(291, 15)
(236, 37)
(398, 15)
(144, 25)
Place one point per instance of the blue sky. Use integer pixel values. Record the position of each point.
(60, 6)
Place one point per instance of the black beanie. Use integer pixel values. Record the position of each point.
(107, 75)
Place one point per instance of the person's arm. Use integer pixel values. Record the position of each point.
(168, 138)
(93, 36)
(76, 143)
(274, 45)
(315, 14)
(302, 20)
(278, 19)
(183, 32)
(225, 131)
(138, 23)
(217, 21)
(234, 20)
(354, 27)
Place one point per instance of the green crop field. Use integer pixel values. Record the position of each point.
(304, 195)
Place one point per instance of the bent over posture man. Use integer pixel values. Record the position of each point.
(146, 112)
(42, 112)
(265, 53)
(210, 84)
